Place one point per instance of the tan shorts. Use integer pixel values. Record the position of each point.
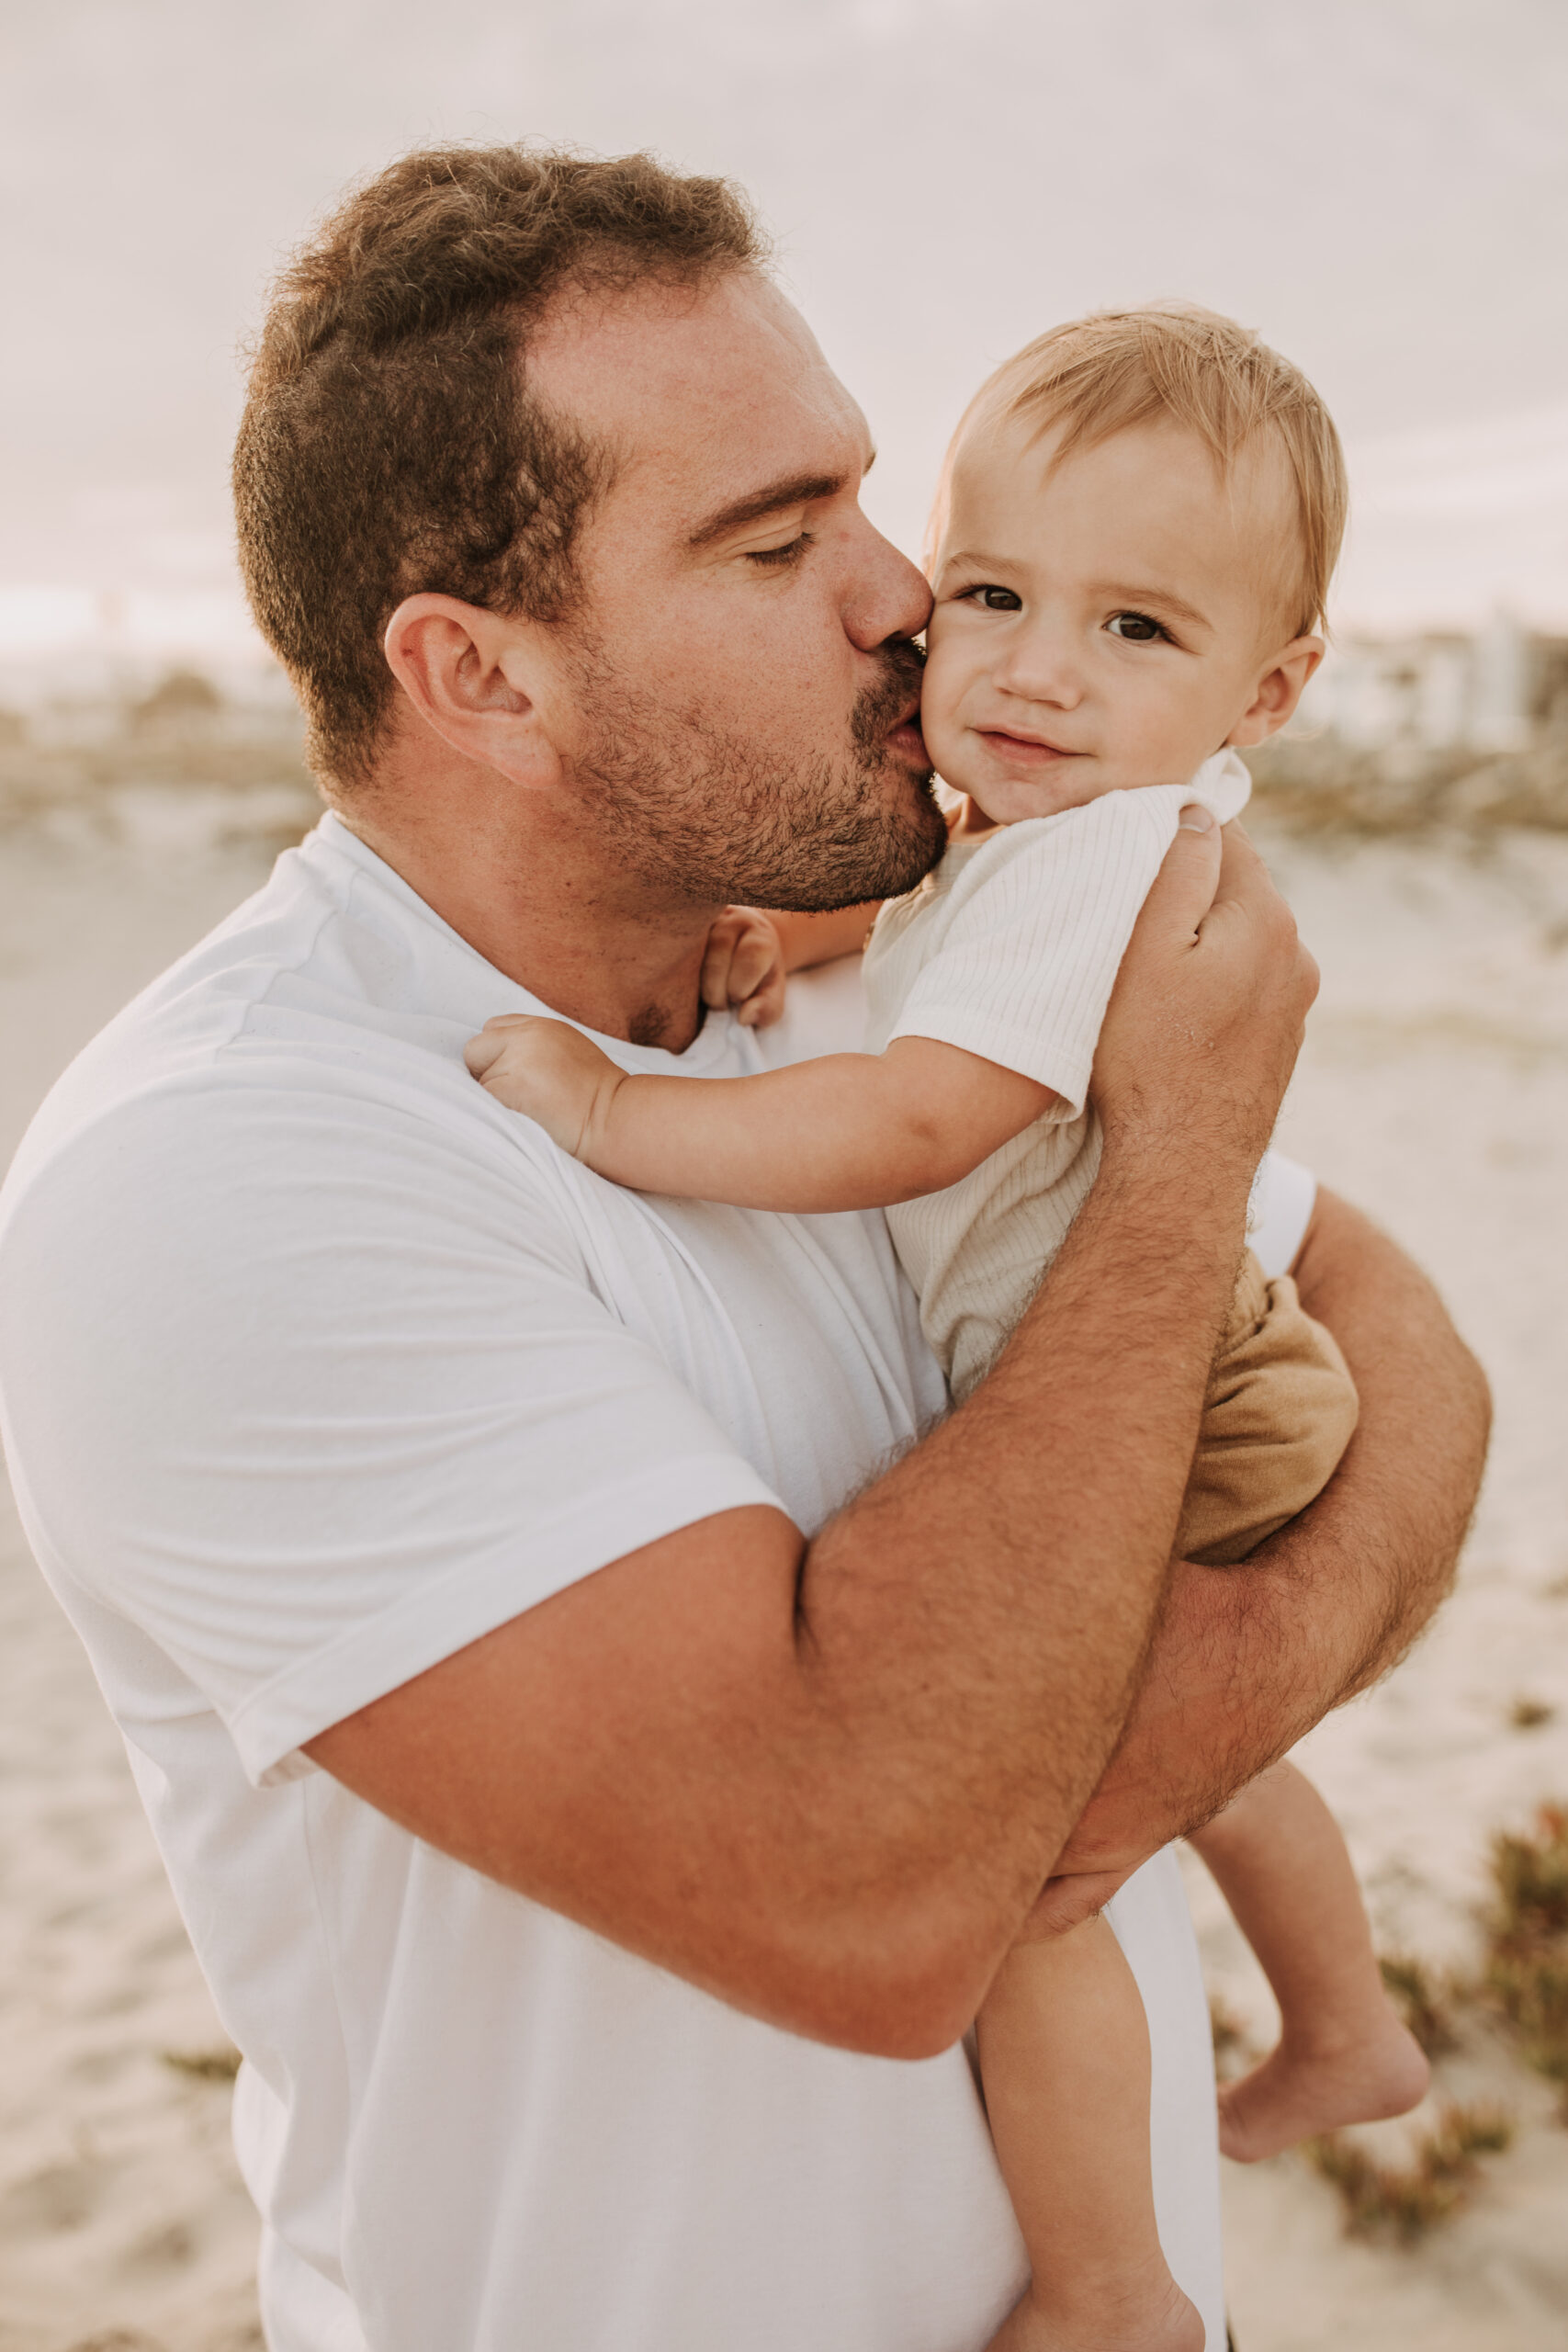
(1281, 1408)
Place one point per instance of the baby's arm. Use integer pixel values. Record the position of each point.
(849, 1131)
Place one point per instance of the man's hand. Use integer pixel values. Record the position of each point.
(550, 1071)
(1246, 1659)
(743, 968)
(1209, 1005)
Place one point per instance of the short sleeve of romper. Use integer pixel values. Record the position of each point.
(1010, 949)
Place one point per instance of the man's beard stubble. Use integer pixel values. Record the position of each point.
(697, 812)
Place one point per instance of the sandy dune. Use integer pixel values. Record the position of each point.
(1432, 1092)
(123, 2227)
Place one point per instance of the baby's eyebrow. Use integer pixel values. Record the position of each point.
(977, 559)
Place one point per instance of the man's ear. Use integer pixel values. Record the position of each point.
(1277, 692)
(477, 680)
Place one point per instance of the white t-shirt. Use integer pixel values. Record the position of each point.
(316, 1366)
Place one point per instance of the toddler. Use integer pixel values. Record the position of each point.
(1131, 545)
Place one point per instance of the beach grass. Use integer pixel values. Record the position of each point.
(1526, 1969)
(218, 2065)
(1424, 2001)
(1405, 2202)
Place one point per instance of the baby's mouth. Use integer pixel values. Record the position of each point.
(1027, 750)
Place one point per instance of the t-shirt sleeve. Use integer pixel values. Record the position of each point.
(1036, 929)
(313, 1396)
(1283, 1196)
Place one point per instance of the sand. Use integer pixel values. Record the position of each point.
(123, 2226)
(1432, 1092)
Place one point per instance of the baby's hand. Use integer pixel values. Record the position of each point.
(743, 970)
(547, 1070)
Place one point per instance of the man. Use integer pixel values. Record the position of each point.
(604, 1727)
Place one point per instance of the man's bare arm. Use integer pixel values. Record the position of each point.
(826, 1780)
(1246, 1660)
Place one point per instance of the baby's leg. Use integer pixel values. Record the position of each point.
(1343, 2056)
(1065, 2059)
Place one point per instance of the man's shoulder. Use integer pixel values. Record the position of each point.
(292, 1056)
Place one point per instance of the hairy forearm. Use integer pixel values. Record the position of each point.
(1005, 1577)
(825, 1779)
(1248, 1660)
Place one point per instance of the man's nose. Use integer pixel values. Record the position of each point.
(888, 595)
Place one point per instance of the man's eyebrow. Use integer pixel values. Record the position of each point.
(798, 490)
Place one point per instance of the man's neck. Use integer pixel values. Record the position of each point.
(589, 946)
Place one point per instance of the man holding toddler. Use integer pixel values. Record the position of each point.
(605, 1721)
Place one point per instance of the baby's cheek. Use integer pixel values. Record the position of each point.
(940, 694)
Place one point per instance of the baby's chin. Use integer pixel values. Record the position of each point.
(1010, 801)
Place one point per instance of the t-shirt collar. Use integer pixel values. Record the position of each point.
(463, 984)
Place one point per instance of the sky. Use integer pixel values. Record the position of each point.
(1380, 185)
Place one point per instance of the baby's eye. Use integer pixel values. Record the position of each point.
(1134, 628)
(996, 600)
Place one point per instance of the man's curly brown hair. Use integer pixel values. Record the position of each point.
(389, 443)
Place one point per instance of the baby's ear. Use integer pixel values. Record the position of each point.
(1277, 692)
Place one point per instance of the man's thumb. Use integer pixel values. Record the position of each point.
(1185, 886)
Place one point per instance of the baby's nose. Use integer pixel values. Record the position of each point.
(1043, 673)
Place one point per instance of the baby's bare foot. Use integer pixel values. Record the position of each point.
(1132, 2316)
(1302, 2089)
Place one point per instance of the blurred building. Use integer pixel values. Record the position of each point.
(1490, 692)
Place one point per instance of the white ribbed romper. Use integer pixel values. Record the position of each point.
(1010, 949)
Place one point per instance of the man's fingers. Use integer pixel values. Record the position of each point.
(1243, 875)
(1185, 885)
(715, 985)
(1207, 1015)
(1247, 890)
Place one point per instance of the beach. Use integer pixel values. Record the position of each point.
(1431, 1092)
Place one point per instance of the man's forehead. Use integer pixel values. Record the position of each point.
(698, 382)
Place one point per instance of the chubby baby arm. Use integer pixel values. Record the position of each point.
(848, 1131)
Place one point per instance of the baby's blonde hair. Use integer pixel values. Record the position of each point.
(1115, 369)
